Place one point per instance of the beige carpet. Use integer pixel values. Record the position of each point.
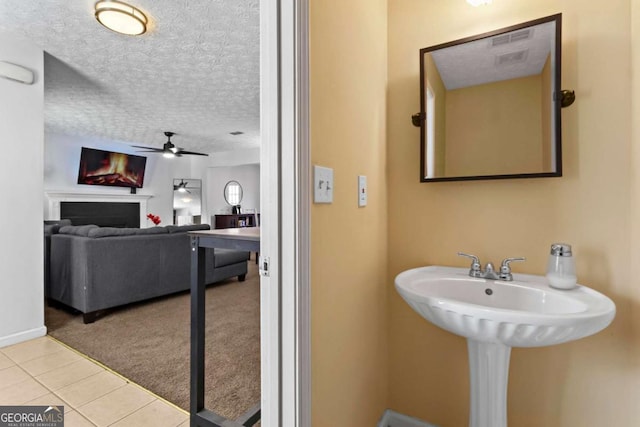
(149, 344)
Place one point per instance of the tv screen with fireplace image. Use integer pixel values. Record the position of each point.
(100, 167)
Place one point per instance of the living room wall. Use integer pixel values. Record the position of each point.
(62, 158)
(21, 246)
(249, 178)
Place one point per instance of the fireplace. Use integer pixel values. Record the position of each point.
(108, 209)
(104, 214)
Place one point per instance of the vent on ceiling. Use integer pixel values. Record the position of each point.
(513, 37)
(237, 132)
(512, 57)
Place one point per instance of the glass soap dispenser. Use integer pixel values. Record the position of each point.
(561, 269)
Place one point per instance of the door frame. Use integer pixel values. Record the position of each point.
(285, 213)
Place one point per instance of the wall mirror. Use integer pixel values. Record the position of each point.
(490, 105)
(187, 201)
(233, 193)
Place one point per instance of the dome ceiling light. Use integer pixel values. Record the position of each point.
(121, 17)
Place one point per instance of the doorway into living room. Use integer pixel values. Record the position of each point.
(194, 73)
(81, 92)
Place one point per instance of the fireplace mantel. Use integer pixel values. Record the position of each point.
(56, 197)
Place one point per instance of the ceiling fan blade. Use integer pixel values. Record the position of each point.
(169, 148)
(193, 153)
(150, 149)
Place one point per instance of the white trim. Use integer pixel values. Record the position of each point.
(285, 207)
(270, 348)
(303, 217)
(23, 336)
(55, 198)
(295, 202)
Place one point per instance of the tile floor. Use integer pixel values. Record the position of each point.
(45, 372)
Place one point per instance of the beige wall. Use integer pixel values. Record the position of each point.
(494, 128)
(635, 203)
(349, 244)
(590, 382)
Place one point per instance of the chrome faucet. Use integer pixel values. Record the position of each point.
(489, 271)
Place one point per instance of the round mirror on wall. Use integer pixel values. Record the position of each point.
(233, 193)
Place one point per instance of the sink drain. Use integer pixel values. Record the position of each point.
(488, 291)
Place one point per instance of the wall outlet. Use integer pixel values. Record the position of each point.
(362, 190)
(322, 184)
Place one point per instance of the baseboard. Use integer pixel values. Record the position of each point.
(23, 336)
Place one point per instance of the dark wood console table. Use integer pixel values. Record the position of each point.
(246, 239)
(234, 220)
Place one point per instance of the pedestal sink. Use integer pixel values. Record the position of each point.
(494, 316)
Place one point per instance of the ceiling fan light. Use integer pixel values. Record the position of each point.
(182, 190)
(121, 17)
(168, 155)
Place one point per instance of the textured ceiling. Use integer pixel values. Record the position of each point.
(195, 72)
(476, 62)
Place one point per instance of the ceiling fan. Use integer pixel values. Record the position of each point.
(182, 187)
(169, 149)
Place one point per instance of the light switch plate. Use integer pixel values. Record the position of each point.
(322, 184)
(362, 190)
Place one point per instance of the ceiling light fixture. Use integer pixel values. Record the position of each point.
(120, 17)
(479, 2)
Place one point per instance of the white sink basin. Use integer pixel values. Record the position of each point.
(494, 316)
(523, 313)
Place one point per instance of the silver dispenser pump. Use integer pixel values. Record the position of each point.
(561, 249)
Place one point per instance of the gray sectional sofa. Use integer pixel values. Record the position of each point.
(50, 228)
(93, 268)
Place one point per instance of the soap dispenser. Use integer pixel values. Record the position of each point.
(561, 269)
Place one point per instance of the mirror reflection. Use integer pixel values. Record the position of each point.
(187, 201)
(488, 105)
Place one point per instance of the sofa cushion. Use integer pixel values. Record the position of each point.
(151, 230)
(224, 257)
(77, 230)
(50, 229)
(185, 228)
(111, 231)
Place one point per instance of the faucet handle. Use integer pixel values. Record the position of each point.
(505, 268)
(476, 269)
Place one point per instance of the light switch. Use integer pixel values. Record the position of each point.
(322, 184)
(362, 190)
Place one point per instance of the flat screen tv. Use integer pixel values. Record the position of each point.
(99, 167)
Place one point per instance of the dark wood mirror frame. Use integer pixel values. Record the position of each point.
(556, 98)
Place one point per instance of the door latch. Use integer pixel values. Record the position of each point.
(264, 266)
